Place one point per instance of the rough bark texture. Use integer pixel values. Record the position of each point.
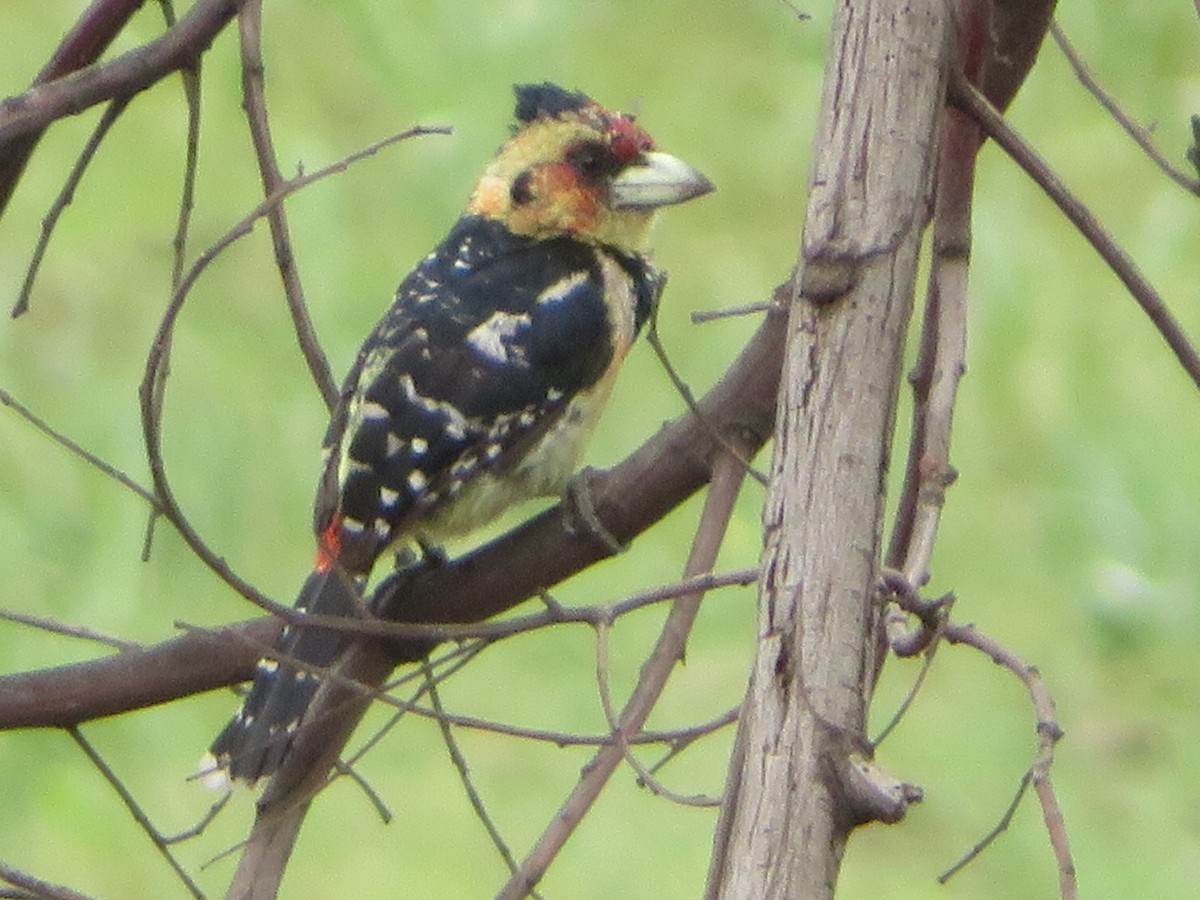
(801, 777)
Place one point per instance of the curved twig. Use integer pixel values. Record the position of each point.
(1049, 732)
(152, 387)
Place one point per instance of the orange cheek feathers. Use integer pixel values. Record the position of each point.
(560, 203)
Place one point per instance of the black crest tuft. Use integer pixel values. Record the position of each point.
(546, 99)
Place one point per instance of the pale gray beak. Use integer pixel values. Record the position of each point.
(660, 181)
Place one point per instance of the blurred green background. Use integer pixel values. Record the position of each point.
(1071, 535)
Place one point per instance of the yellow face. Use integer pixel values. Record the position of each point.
(554, 178)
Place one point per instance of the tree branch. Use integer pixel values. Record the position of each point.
(628, 499)
(95, 29)
(658, 476)
(255, 102)
(30, 113)
(68, 695)
(801, 777)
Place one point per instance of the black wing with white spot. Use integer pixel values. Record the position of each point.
(485, 345)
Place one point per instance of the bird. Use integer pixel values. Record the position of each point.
(482, 383)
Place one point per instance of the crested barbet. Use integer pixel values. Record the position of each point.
(481, 384)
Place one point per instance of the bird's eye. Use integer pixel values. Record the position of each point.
(593, 160)
(522, 188)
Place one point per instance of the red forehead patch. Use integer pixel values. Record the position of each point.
(629, 140)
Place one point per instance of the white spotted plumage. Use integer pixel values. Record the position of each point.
(482, 383)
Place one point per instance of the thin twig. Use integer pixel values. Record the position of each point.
(111, 113)
(988, 839)
(1140, 135)
(42, 890)
(135, 810)
(730, 312)
(153, 387)
(682, 739)
(464, 773)
(187, 195)
(645, 776)
(1049, 732)
(728, 472)
(76, 631)
(74, 448)
(681, 388)
(493, 630)
(254, 101)
(484, 634)
(968, 98)
(191, 92)
(445, 666)
(373, 796)
(205, 820)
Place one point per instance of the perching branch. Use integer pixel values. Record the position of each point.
(627, 499)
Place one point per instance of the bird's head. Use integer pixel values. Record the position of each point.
(573, 168)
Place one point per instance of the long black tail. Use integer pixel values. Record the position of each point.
(257, 739)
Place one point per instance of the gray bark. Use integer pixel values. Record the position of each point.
(802, 776)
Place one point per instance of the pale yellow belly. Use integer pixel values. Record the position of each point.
(544, 472)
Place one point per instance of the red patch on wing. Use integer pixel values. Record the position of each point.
(329, 545)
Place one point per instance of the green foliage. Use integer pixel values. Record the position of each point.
(1070, 535)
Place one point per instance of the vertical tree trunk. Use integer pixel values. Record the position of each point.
(801, 777)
